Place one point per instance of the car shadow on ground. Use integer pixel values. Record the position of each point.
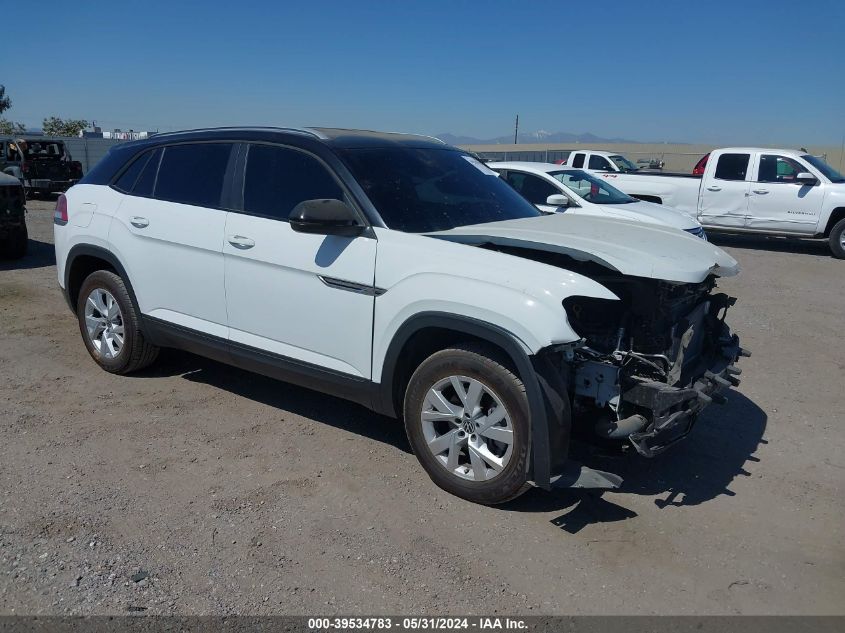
(314, 405)
(39, 255)
(698, 469)
(772, 243)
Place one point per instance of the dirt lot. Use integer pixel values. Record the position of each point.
(198, 488)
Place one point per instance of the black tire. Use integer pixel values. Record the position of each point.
(479, 363)
(136, 352)
(15, 245)
(837, 239)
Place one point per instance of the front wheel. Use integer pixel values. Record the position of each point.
(467, 420)
(837, 239)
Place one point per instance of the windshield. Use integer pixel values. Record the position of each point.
(829, 172)
(422, 190)
(623, 163)
(589, 188)
(42, 149)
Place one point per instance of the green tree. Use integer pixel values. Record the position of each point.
(54, 126)
(11, 128)
(5, 101)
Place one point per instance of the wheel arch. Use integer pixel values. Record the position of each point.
(835, 216)
(84, 259)
(425, 333)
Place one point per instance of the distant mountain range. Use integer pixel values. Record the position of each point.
(540, 136)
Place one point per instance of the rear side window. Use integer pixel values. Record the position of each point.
(578, 161)
(193, 173)
(598, 162)
(732, 166)
(130, 176)
(279, 178)
(533, 188)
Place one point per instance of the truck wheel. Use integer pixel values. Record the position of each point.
(837, 239)
(16, 244)
(109, 325)
(467, 420)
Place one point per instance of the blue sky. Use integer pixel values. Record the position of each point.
(705, 71)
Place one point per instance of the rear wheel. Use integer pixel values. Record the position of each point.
(837, 239)
(110, 326)
(467, 420)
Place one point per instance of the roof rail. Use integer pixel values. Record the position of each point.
(293, 130)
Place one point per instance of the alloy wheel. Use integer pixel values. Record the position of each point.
(104, 323)
(467, 428)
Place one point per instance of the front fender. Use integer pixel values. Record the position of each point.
(522, 297)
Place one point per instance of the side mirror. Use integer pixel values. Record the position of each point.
(806, 178)
(325, 217)
(557, 200)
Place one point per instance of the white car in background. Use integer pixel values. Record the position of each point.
(553, 188)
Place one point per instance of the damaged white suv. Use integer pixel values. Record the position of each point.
(402, 274)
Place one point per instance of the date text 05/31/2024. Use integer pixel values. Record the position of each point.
(418, 623)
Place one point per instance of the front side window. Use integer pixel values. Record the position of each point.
(279, 178)
(829, 172)
(599, 163)
(578, 161)
(732, 166)
(623, 163)
(533, 188)
(193, 173)
(590, 188)
(775, 168)
(420, 190)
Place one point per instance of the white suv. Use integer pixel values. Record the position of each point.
(401, 273)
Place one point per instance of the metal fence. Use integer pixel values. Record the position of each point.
(89, 151)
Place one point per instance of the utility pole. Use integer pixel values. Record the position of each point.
(516, 129)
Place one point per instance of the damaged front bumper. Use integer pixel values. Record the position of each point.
(673, 410)
(653, 401)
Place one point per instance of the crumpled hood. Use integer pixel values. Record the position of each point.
(631, 248)
(655, 213)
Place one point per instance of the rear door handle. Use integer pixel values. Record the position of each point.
(714, 188)
(239, 241)
(139, 222)
(761, 191)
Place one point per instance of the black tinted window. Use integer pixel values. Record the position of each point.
(598, 162)
(193, 174)
(578, 161)
(145, 183)
(533, 188)
(732, 166)
(277, 179)
(127, 180)
(419, 190)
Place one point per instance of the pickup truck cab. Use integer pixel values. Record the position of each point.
(601, 160)
(556, 189)
(753, 190)
(43, 165)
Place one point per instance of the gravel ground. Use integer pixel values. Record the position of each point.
(198, 488)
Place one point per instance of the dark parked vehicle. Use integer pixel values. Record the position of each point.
(13, 235)
(43, 165)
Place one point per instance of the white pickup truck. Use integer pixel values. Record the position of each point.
(752, 190)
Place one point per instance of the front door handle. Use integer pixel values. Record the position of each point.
(239, 241)
(714, 188)
(761, 191)
(139, 222)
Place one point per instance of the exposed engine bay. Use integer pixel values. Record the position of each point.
(647, 364)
